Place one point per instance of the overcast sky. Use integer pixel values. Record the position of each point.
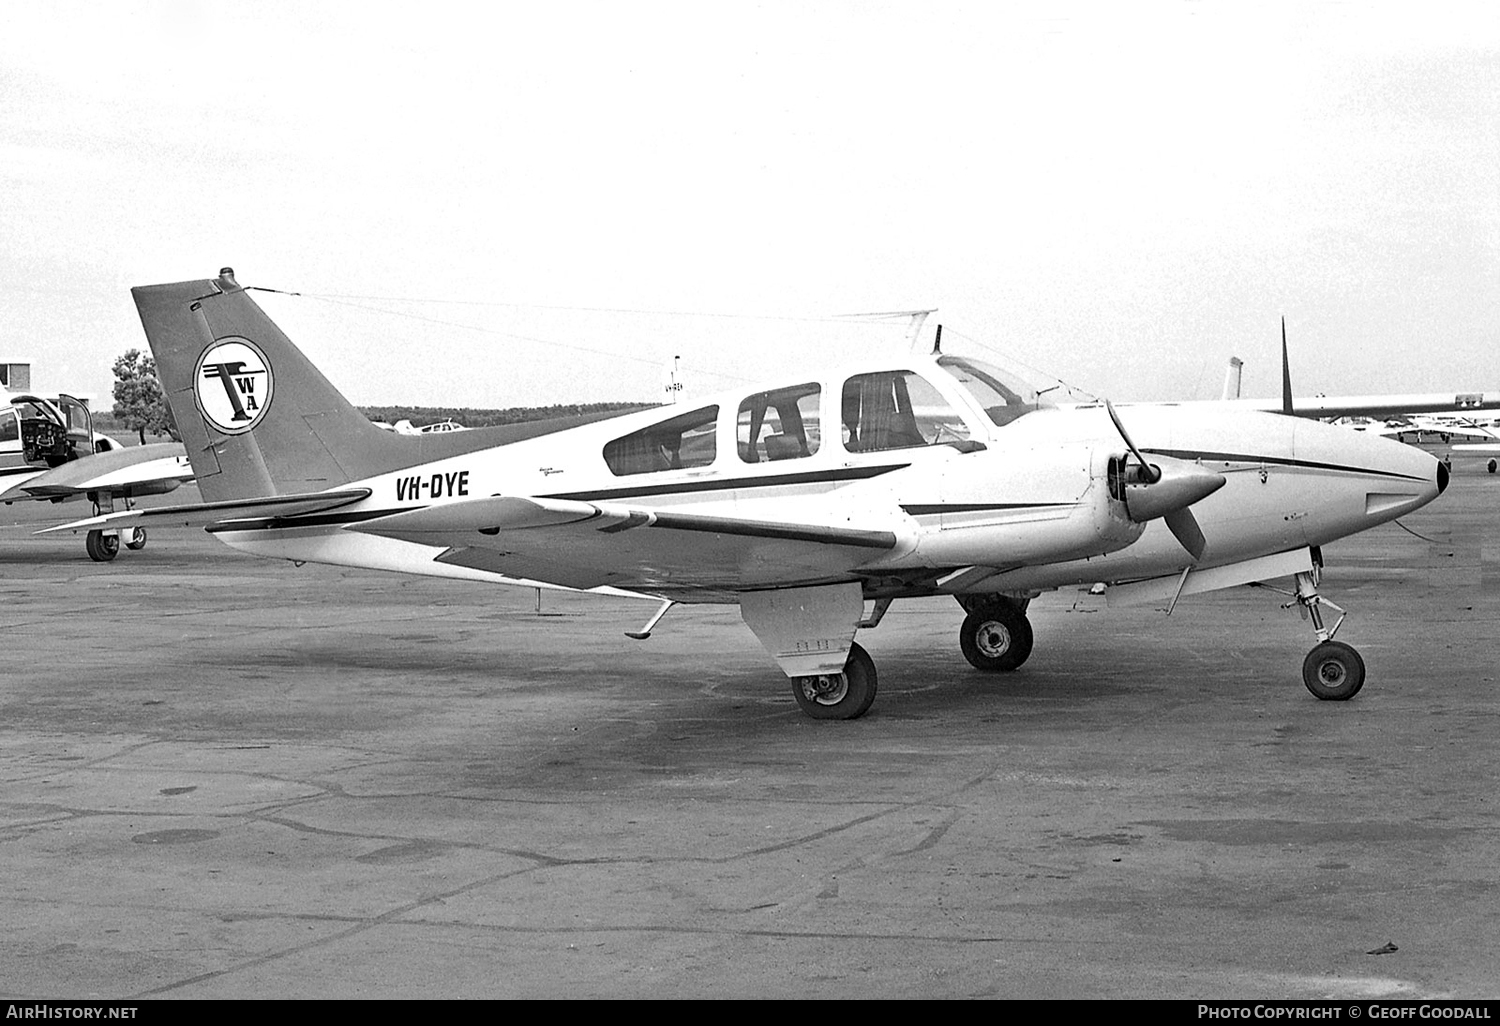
(494, 204)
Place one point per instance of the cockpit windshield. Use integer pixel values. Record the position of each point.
(1002, 397)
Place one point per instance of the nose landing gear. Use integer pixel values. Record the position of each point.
(1332, 671)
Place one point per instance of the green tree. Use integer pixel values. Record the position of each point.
(140, 403)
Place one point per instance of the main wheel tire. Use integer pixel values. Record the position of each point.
(102, 547)
(137, 539)
(839, 696)
(1492, 466)
(1333, 671)
(996, 639)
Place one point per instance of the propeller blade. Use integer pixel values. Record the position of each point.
(1148, 473)
(1184, 527)
(1167, 488)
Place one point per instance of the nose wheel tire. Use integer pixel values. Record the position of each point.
(996, 639)
(102, 547)
(1333, 671)
(838, 696)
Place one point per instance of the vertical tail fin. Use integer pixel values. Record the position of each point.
(257, 417)
(1232, 378)
(1286, 374)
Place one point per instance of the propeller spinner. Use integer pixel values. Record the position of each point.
(1166, 488)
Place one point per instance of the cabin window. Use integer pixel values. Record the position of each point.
(1002, 400)
(683, 441)
(10, 426)
(897, 410)
(781, 424)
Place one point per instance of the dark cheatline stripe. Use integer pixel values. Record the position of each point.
(311, 520)
(730, 483)
(765, 529)
(917, 510)
(723, 484)
(1231, 457)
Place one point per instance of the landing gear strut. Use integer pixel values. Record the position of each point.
(995, 636)
(1333, 671)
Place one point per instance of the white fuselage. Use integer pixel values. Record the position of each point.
(1028, 502)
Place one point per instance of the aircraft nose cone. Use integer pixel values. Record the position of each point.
(1181, 484)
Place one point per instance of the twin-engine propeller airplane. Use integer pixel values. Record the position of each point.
(799, 500)
(50, 451)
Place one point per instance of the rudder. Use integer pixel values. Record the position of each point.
(257, 417)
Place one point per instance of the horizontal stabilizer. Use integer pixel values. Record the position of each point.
(203, 513)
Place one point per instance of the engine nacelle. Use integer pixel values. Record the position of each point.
(1014, 507)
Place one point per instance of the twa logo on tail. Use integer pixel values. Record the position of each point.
(233, 384)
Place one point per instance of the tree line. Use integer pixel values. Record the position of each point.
(468, 417)
(141, 406)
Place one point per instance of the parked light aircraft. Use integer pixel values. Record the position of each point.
(50, 451)
(1445, 426)
(1435, 407)
(800, 500)
(1490, 449)
(1393, 416)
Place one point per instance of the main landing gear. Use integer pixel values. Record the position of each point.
(103, 547)
(838, 696)
(995, 636)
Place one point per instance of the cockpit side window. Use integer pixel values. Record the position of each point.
(897, 410)
(684, 441)
(781, 424)
(1001, 401)
(10, 426)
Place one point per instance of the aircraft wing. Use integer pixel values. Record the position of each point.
(1322, 406)
(201, 514)
(1385, 405)
(126, 472)
(585, 545)
(14, 482)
